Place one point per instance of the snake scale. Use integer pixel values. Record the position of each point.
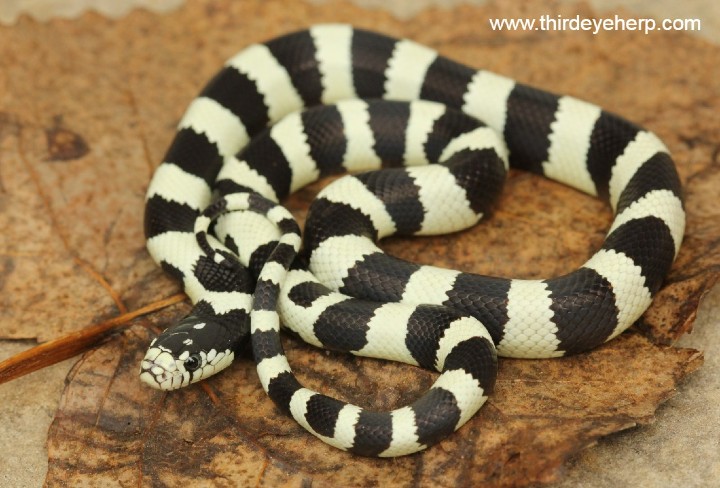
(428, 143)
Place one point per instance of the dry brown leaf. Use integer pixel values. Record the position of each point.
(87, 109)
(110, 427)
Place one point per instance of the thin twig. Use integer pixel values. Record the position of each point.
(74, 343)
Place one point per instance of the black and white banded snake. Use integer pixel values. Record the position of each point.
(334, 99)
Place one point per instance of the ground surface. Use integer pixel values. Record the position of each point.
(680, 449)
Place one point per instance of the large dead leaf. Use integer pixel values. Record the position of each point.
(109, 427)
(87, 109)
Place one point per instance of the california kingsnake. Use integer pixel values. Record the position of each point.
(245, 143)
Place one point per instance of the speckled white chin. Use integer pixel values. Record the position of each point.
(160, 370)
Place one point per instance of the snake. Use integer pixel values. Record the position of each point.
(421, 145)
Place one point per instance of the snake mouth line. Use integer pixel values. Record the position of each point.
(163, 371)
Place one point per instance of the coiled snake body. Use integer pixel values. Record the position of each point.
(332, 99)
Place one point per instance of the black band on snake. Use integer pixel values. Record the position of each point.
(334, 99)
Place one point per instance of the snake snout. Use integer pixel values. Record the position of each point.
(159, 370)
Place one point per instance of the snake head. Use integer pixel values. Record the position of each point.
(193, 349)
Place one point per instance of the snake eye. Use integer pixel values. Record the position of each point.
(192, 362)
